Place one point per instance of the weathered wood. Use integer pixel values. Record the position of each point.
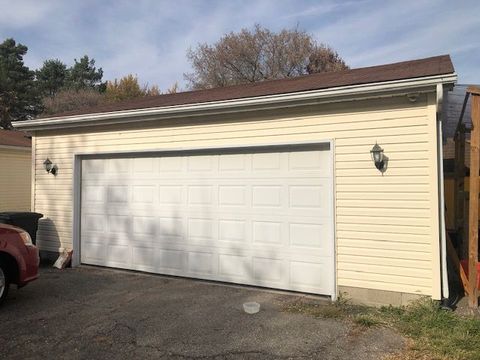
(473, 206)
(472, 89)
(456, 263)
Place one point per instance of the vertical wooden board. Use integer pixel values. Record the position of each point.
(459, 175)
(473, 211)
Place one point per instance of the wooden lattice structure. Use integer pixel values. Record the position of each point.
(466, 219)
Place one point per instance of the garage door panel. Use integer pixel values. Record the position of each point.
(232, 195)
(233, 230)
(117, 194)
(93, 251)
(94, 222)
(260, 218)
(306, 276)
(234, 266)
(171, 194)
(200, 195)
(309, 160)
(202, 263)
(117, 253)
(235, 162)
(269, 271)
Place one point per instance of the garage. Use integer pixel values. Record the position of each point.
(326, 184)
(260, 216)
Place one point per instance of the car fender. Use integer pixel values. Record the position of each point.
(15, 254)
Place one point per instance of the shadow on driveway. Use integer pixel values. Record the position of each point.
(94, 313)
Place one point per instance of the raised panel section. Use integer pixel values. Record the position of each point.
(94, 166)
(200, 195)
(231, 195)
(201, 263)
(200, 163)
(117, 194)
(268, 270)
(94, 223)
(171, 259)
(118, 166)
(93, 193)
(172, 227)
(266, 161)
(234, 265)
(119, 254)
(309, 235)
(307, 196)
(145, 225)
(267, 232)
(200, 229)
(143, 165)
(171, 164)
(232, 162)
(232, 230)
(308, 274)
(309, 160)
(121, 224)
(171, 194)
(144, 194)
(266, 196)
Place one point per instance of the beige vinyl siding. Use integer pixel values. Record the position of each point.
(386, 226)
(15, 179)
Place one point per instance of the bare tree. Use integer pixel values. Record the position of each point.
(257, 55)
(70, 99)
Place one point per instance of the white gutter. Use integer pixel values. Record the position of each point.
(441, 194)
(236, 105)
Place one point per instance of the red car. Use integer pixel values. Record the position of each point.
(19, 259)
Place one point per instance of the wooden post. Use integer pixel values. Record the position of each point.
(456, 262)
(459, 190)
(474, 192)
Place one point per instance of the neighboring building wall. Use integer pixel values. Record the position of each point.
(387, 228)
(15, 179)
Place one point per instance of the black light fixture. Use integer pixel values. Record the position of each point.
(49, 167)
(378, 157)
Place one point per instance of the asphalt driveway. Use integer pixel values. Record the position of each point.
(93, 313)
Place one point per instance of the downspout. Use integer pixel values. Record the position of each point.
(441, 196)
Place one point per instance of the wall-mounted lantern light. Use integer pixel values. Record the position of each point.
(378, 157)
(50, 167)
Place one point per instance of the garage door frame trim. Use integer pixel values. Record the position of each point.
(77, 176)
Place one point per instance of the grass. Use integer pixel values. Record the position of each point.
(434, 333)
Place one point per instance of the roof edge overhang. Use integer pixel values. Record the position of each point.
(285, 100)
(14, 147)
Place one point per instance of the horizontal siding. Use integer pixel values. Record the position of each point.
(15, 180)
(384, 229)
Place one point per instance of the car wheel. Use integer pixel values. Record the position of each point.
(4, 283)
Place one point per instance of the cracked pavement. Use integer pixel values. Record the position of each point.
(92, 313)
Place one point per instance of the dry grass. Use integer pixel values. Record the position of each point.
(434, 333)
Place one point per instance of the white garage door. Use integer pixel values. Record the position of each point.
(259, 217)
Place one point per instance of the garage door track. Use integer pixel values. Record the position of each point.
(92, 313)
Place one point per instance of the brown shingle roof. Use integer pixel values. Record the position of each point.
(14, 138)
(437, 65)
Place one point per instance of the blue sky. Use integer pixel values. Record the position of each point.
(150, 38)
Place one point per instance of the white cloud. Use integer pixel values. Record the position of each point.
(18, 14)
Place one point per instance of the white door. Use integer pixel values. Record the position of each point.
(259, 217)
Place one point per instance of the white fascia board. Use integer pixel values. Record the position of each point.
(19, 148)
(237, 105)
